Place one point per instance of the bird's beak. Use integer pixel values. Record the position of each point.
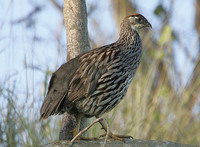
(148, 25)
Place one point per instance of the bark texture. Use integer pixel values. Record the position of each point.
(75, 18)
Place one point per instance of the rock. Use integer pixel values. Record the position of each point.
(114, 143)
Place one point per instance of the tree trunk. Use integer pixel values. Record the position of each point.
(75, 18)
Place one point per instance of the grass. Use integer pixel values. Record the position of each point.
(154, 108)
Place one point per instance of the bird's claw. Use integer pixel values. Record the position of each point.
(86, 138)
(116, 136)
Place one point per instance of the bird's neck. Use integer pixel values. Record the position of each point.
(128, 36)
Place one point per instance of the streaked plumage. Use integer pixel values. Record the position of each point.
(95, 82)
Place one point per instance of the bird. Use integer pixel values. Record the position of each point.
(94, 82)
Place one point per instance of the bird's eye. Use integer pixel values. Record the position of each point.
(138, 19)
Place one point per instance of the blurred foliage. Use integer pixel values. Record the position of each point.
(160, 11)
(152, 109)
(165, 35)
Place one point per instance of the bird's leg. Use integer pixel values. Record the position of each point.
(76, 130)
(111, 135)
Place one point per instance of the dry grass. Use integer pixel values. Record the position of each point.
(154, 108)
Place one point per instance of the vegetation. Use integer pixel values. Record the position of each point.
(160, 103)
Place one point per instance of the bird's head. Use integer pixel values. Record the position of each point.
(137, 21)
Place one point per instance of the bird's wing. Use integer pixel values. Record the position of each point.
(58, 88)
(87, 76)
(84, 82)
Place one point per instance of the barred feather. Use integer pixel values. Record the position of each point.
(95, 82)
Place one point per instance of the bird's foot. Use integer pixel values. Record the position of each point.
(87, 138)
(117, 137)
(75, 133)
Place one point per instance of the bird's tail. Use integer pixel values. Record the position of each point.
(51, 105)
